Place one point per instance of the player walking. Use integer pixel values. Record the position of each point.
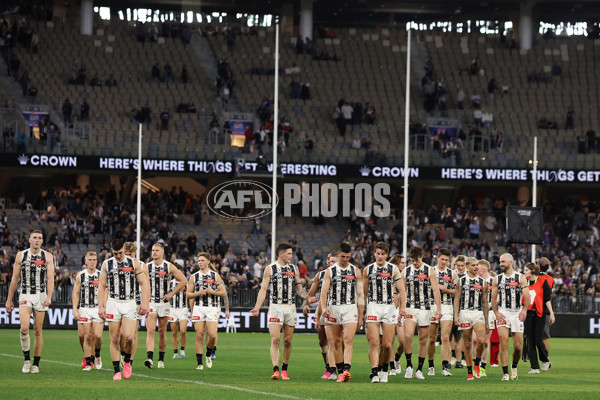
(281, 279)
(510, 300)
(34, 268)
(85, 310)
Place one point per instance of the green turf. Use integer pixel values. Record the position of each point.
(243, 366)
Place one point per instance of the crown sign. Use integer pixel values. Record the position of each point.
(365, 171)
(23, 159)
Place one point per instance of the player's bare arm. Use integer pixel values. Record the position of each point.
(14, 281)
(144, 288)
(437, 297)
(75, 297)
(486, 306)
(178, 275)
(499, 315)
(401, 292)
(102, 291)
(457, 294)
(220, 292)
(324, 290)
(360, 299)
(50, 277)
(526, 298)
(313, 290)
(262, 293)
(226, 302)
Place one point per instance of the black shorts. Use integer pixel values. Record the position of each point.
(455, 333)
(546, 331)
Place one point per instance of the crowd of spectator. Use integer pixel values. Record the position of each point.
(474, 226)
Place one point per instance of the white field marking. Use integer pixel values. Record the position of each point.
(239, 389)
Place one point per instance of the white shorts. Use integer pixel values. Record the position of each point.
(511, 321)
(344, 314)
(381, 313)
(421, 317)
(160, 309)
(89, 315)
(491, 320)
(447, 313)
(205, 314)
(282, 314)
(468, 319)
(117, 309)
(178, 314)
(33, 301)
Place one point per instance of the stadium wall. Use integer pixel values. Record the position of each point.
(61, 317)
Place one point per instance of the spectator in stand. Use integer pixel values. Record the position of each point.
(156, 73)
(487, 118)
(111, 81)
(370, 113)
(460, 98)
(570, 121)
(477, 117)
(592, 140)
(299, 45)
(347, 113)
(54, 137)
(248, 138)
(8, 135)
(492, 88)
(85, 110)
(21, 141)
(308, 148)
(165, 116)
(168, 70)
(67, 110)
(33, 92)
(357, 113)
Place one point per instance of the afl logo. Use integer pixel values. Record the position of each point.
(229, 198)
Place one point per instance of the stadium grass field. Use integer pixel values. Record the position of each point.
(242, 370)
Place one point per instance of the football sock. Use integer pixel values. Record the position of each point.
(208, 351)
(462, 354)
(183, 348)
(483, 365)
(514, 364)
(445, 364)
(408, 359)
(505, 369)
(199, 358)
(26, 355)
(374, 371)
(36, 360)
(477, 361)
(88, 360)
(347, 367)
(469, 370)
(116, 366)
(276, 368)
(175, 351)
(161, 356)
(340, 367)
(150, 354)
(397, 357)
(454, 353)
(392, 366)
(284, 367)
(384, 368)
(97, 353)
(127, 358)
(421, 362)
(430, 363)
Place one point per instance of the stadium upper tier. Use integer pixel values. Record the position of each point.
(371, 68)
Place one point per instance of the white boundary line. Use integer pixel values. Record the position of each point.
(239, 389)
